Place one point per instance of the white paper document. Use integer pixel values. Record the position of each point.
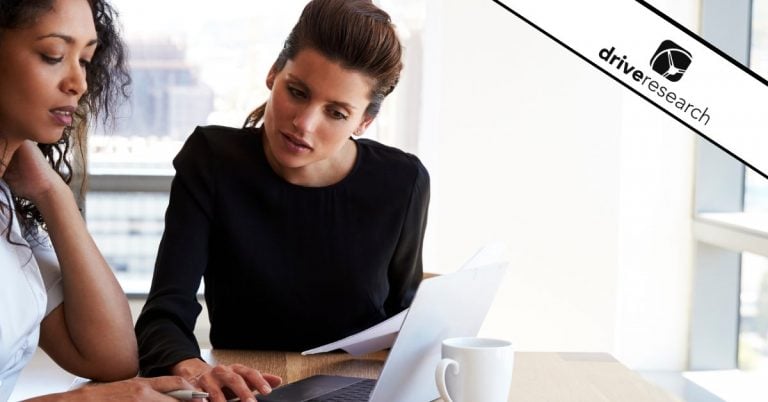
(377, 337)
(383, 334)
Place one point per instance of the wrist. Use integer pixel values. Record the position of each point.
(55, 193)
(75, 395)
(190, 368)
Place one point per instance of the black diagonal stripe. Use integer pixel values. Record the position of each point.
(689, 33)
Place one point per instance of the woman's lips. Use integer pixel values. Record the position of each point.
(295, 144)
(63, 115)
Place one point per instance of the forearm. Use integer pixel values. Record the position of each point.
(165, 334)
(96, 313)
(59, 397)
(136, 389)
(165, 328)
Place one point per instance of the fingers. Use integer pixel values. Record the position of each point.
(273, 380)
(257, 380)
(240, 382)
(221, 377)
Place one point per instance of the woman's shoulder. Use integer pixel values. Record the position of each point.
(386, 164)
(394, 161)
(222, 136)
(220, 142)
(211, 150)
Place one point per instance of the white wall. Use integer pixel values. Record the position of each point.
(655, 241)
(589, 188)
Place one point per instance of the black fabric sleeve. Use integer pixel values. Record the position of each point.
(405, 269)
(165, 327)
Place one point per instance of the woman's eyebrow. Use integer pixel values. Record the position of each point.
(344, 105)
(66, 38)
(297, 81)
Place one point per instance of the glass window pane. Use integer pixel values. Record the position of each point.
(753, 331)
(756, 186)
(127, 227)
(206, 65)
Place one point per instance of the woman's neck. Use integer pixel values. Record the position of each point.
(316, 174)
(7, 149)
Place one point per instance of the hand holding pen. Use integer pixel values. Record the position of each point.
(236, 379)
(135, 389)
(186, 395)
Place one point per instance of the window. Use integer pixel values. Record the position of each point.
(756, 186)
(753, 312)
(753, 332)
(730, 289)
(202, 63)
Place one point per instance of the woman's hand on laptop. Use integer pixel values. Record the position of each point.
(236, 380)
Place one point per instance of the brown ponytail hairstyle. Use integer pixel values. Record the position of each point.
(354, 33)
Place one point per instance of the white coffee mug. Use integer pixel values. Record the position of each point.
(481, 370)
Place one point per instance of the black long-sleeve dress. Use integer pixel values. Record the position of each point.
(286, 267)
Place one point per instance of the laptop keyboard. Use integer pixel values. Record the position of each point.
(357, 392)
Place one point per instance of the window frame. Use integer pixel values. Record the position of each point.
(721, 228)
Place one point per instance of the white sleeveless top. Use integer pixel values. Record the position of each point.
(30, 288)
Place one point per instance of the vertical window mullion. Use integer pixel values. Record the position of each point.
(719, 187)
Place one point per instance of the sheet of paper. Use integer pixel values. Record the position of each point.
(78, 382)
(383, 334)
(491, 253)
(377, 337)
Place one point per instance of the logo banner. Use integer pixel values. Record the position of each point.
(665, 64)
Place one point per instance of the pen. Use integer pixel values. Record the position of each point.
(186, 394)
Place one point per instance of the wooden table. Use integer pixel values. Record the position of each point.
(538, 376)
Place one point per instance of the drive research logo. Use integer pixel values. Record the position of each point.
(671, 60)
(667, 58)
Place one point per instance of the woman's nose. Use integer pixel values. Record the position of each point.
(74, 83)
(307, 119)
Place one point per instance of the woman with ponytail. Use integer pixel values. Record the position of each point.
(302, 232)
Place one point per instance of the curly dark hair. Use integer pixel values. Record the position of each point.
(107, 78)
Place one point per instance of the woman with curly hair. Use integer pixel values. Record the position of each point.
(62, 62)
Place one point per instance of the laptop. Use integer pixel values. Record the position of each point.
(445, 306)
